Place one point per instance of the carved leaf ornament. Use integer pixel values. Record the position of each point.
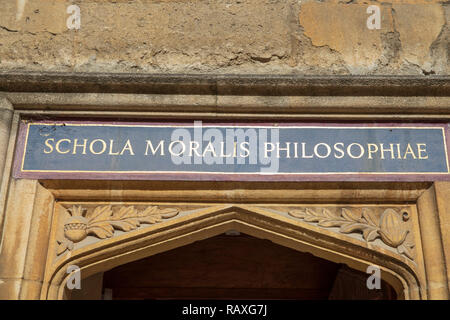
(102, 221)
(390, 227)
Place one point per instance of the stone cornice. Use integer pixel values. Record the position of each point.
(224, 84)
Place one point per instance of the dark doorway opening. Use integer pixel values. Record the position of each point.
(237, 266)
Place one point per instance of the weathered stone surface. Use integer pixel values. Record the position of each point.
(233, 36)
(419, 27)
(31, 16)
(342, 28)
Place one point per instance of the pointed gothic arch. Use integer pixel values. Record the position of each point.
(96, 255)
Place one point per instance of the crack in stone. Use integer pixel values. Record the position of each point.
(9, 30)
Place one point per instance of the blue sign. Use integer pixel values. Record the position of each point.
(230, 149)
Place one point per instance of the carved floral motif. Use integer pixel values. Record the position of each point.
(102, 221)
(390, 227)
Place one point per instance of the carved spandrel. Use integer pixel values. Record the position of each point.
(102, 221)
(390, 225)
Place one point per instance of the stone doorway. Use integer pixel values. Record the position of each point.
(197, 213)
(231, 266)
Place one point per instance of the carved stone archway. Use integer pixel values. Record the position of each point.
(98, 225)
(358, 236)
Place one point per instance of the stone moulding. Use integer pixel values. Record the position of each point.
(231, 84)
(195, 223)
(103, 220)
(389, 226)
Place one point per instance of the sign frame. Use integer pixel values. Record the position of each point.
(19, 172)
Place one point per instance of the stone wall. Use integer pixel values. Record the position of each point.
(226, 36)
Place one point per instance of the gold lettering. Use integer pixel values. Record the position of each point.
(420, 150)
(222, 149)
(409, 150)
(127, 147)
(49, 145)
(339, 150)
(266, 150)
(111, 153)
(316, 150)
(209, 148)
(399, 156)
(247, 154)
(91, 146)
(160, 145)
(171, 147)
(391, 150)
(58, 143)
(295, 150)
(76, 145)
(304, 151)
(349, 150)
(283, 149)
(370, 150)
(195, 149)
